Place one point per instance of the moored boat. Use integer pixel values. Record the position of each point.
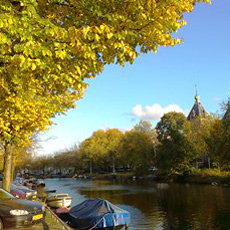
(98, 214)
(59, 200)
(62, 213)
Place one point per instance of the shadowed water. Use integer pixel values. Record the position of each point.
(157, 206)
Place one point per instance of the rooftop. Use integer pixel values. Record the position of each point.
(197, 109)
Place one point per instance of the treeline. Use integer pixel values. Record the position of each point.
(175, 147)
(105, 151)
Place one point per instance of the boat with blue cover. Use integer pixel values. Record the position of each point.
(98, 214)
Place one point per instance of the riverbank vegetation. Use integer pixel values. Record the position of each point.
(175, 148)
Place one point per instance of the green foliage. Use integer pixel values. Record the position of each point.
(176, 143)
(174, 152)
(143, 126)
(102, 147)
(211, 173)
(113, 148)
(219, 142)
(209, 176)
(197, 133)
(170, 126)
(146, 127)
(215, 142)
(93, 147)
(138, 151)
(113, 139)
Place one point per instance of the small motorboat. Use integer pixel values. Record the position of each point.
(98, 214)
(59, 201)
(62, 213)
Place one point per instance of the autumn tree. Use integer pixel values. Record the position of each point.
(225, 153)
(112, 143)
(216, 141)
(211, 136)
(138, 150)
(92, 149)
(102, 148)
(144, 126)
(219, 140)
(49, 48)
(197, 133)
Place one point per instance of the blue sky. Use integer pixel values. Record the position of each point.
(120, 96)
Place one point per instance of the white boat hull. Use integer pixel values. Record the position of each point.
(59, 200)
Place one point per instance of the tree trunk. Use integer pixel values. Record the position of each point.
(90, 167)
(114, 166)
(209, 163)
(12, 167)
(7, 168)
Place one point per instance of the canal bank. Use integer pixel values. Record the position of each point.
(54, 222)
(51, 222)
(205, 176)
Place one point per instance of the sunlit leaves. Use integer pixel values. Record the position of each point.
(138, 150)
(49, 48)
(3, 38)
(102, 146)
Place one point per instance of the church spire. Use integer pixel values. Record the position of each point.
(227, 113)
(197, 109)
(197, 97)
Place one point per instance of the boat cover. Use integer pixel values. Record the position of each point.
(97, 213)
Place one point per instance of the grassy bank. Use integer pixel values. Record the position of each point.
(124, 175)
(204, 176)
(209, 176)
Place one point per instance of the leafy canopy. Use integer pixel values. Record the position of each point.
(49, 47)
(102, 144)
(175, 151)
(137, 149)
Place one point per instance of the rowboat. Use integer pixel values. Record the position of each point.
(59, 200)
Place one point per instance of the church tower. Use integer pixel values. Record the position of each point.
(197, 109)
(227, 113)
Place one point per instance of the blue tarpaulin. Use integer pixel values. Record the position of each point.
(97, 213)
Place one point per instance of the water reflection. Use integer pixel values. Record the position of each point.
(158, 206)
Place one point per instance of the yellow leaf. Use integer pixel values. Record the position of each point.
(97, 37)
(102, 27)
(109, 35)
(78, 69)
(33, 67)
(3, 38)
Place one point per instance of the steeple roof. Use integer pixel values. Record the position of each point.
(227, 113)
(197, 109)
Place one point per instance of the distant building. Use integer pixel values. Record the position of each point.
(197, 109)
(227, 113)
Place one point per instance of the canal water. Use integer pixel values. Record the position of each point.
(156, 206)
